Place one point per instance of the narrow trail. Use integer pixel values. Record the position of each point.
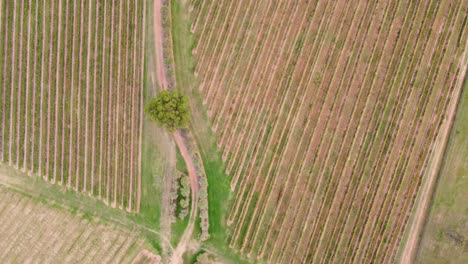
(427, 189)
(182, 246)
(187, 236)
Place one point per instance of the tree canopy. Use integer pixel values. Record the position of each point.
(169, 109)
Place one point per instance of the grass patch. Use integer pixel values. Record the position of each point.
(180, 165)
(219, 194)
(178, 229)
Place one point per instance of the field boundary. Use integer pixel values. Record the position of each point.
(425, 196)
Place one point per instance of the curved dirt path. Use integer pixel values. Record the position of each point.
(184, 242)
(427, 189)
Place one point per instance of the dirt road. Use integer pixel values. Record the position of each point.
(184, 242)
(428, 187)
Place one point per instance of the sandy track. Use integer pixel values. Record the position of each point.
(162, 80)
(415, 227)
(187, 236)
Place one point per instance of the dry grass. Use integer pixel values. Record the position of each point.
(32, 231)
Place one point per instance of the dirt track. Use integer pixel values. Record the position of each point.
(419, 218)
(176, 257)
(187, 236)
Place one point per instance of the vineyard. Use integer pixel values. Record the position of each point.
(326, 114)
(31, 231)
(72, 81)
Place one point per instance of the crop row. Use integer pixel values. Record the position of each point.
(72, 80)
(326, 113)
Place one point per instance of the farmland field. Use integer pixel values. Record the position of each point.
(34, 232)
(326, 114)
(72, 90)
(288, 131)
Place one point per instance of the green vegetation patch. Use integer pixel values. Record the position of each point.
(219, 194)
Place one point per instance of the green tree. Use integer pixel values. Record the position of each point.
(169, 109)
